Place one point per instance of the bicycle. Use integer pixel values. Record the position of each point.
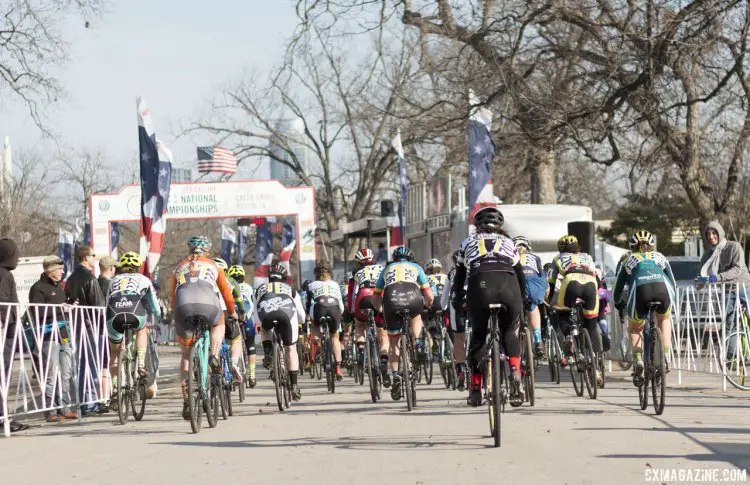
(407, 360)
(444, 347)
(554, 351)
(314, 353)
(654, 365)
(371, 359)
(228, 382)
(527, 369)
(356, 370)
(583, 359)
(424, 362)
(203, 393)
(328, 363)
(280, 371)
(739, 359)
(130, 387)
(497, 392)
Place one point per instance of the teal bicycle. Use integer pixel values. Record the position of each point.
(204, 389)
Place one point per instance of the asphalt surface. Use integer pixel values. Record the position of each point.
(345, 438)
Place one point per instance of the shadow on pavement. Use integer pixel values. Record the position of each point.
(736, 454)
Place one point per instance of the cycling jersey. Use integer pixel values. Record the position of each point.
(326, 293)
(367, 277)
(131, 297)
(246, 294)
(438, 285)
(493, 252)
(650, 278)
(532, 264)
(402, 272)
(278, 305)
(195, 270)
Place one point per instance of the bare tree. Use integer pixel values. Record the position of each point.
(88, 173)
(31, 45)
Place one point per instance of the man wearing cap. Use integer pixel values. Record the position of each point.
(107, 267)
(56, 344)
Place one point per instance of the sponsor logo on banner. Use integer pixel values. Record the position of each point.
(104, 205)
(99, 231)
(308, 248)
(300, 198)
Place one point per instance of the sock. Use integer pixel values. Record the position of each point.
(536, 335)
(267, 347)
(638, 354)
(666, 349)
(140, 358)
(251, 369)
(293, 377)
(114, 383)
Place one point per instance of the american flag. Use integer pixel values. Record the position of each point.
(216, 159)
(156, 178)
(481, 153)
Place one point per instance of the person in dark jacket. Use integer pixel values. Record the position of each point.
(107, 267)
(56, 341)
(8, 262)
(82, 288)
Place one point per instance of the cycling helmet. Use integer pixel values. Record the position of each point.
(277, 273)
(642, 238)
(364, 256)
(522, 242)
(237, 272)
(199, 245)
(565, 241)
(403, 252)
(221, 264)
(130, 260)
(434, 263)
(488, 218)
(306, 285)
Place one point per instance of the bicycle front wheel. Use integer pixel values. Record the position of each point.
(738, 362)
(195, 393)
(659, 367)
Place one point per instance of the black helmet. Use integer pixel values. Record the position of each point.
(277, 273)
(403, 252)
(488, 218)
(306, 285)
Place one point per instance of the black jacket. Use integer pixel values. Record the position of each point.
(83, 287)
(104, 283)
(8, 262)
(46, 291)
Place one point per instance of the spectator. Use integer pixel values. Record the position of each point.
(8, 294)
(107, 268)
(47, 291)
(82, 288)
(723, 261)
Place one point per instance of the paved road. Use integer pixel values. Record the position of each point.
(345, 438)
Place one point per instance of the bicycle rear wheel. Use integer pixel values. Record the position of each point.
(329, 365)
(211, 405)
(659, 376)
(224, 396)
(575, 375)
(590, 364)
(195, 394)
(602, 371)
(738, 363)
(138, 397)
(123, 384)
(427, 362)
(450, 363)
(406, 379)
(494, 392)
(276, 367)
(242, 371)
(528, 370)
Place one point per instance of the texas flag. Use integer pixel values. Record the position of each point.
(481, 153)
(156, 178)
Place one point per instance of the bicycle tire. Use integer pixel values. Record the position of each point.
(242, 371)
(413, 364)
(494, 380)
(229, 388)
(591, 364)
(329, 365)
(223, 396)
(659, 376)
(643, 391)
(195, 394)
(574, 374)
(624, 365)
(276, 368)
(530, 371)
(406, 381)
(602, 371)
(427, 363)
(137, 395)
(122, 384)
(741, 358)
(212, 404)
(370, 372)
(450, 364)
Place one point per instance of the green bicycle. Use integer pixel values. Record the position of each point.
(203, 389)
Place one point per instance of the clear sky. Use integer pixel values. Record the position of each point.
(177, 54)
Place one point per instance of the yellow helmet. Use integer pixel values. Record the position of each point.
(642, 238)
(566, 241)
(130, 259)
(236, 270)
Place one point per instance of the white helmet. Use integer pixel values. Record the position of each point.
(434, 263)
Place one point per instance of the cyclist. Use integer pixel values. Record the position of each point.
(536, 289)
(458, 325)
(574, 277)
(438, 280)
(233, 334)
(130, 299)
(620, 305)
(236, 274)
(402, 285)
(649, 276)
(325, 301)
(604, 297)
(195, 284)
(277, 302)
(304, 325)
(495, 276)
(365, 280)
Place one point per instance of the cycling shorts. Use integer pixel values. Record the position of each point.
(398, 297)
(643, 295)
(579, 286)
(277, 312)
(195, 299)
(332, 312)
(493, 287)
(249, 330)
(365, 302)
(125, 312)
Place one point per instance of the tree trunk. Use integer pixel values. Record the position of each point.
(543, 170)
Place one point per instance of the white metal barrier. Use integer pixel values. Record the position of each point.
(55, 357)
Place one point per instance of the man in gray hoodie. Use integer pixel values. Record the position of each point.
(724, 262)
